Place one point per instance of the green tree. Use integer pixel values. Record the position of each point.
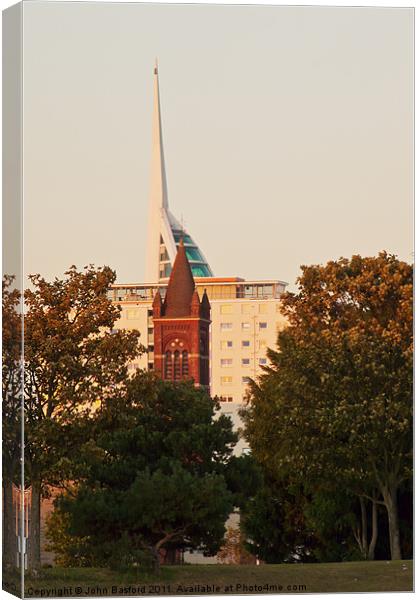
(336, 404)
(155, 474)
(274, 524)
(336, 524)
(73, 361)
(69, 551)
(243, 477)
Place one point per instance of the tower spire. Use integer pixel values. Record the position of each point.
(158, 189)
(180, 287)
(164, 230)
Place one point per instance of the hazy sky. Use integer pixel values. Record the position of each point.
(287, 133)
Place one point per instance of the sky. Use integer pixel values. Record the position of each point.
(288, 133)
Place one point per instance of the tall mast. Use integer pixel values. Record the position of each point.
(158, 202)
(159, 190)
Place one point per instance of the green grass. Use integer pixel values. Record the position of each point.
(327, 577)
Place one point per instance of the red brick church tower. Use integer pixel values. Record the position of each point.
(181, 327)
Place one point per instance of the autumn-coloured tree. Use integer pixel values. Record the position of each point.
(336, 403)
(74, 360)
(11, 410)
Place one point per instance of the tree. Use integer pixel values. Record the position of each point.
(334, 518)
(69, 551)
(274, 524)
(155, 474)
(336, 403)
(73, 361)
(243, 477)
(11, 410)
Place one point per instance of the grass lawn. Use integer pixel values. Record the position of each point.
(221, 579)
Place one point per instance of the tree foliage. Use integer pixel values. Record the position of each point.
(11, 375)
(73, 361)
(12, 395)
(274, 524)
(335, 407)
(155, 473)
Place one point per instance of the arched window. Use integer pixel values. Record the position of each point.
(168, 365)
(177, 366)
(184, 363)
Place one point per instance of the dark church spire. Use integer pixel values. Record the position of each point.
(180, 287)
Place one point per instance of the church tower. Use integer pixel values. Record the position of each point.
(181, 327)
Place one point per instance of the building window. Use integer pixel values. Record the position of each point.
(177, 366)
(226, 399)
(263, 308)
(262, 344)
(245, 343)
(263, 325)
(226, 362)
(245, 362)
(165, 269)
(200, 270)
(164, 254)
(226, 309)
(246, 325)
(263, 361)
(224, 326)
(246, 308)
(245, 379)
(193, 254)
(168, 365)
(226, 344)
(226, 380)
(184, 363)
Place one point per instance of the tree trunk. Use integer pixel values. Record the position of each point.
(156, 560)
(9, 525)
(374, 538)
(390, 500)
(364, 526)
(34, 550)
